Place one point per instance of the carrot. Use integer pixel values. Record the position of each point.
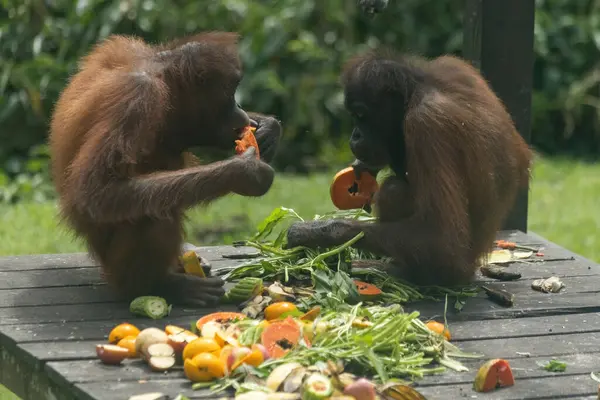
(347, 192)
(503, 244)
(492, 375)
(247, 140)
(366, 290)
(221, 317)
(280, 337)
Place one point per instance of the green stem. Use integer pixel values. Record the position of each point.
(333, 252)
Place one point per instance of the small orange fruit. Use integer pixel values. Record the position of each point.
(200, 345)
(439, 328)
(204, 367)
(122, 331)
(275, 310)
(128, 342)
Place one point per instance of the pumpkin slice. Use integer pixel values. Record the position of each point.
(222, 317)
(492, 375)
(246, 141)
(280, 337)
(367, 291)
(348, 193)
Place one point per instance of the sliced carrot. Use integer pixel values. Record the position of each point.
(492, 375)
(366, 290)
(347, 192)
(221, 317)
(439, 328)
(280, 337)
(246, 141)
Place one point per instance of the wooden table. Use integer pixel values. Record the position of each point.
(55, 308)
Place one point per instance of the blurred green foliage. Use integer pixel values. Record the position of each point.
(293, 51)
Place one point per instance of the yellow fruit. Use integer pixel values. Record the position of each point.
(122, 331)
(204, 367)
(276, 309)
(200, 345)
(128, 343)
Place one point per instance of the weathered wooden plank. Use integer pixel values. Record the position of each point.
(89, 330)
(522, 367)
(538, 346)
(79, 260)
(81, 312)
(56, 295)
(61, 295)
(553, 387)
(50, 278)
(71, 312)
(531, 305)
(76, 276)
(535, 270)
(45, 261)
(573, 284)
(123, 390)
(535, 326)
(26, 381)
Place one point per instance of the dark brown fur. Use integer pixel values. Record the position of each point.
(458, 161)
(119, 140)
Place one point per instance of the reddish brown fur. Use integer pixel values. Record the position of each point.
(119, 139)
(457, 178)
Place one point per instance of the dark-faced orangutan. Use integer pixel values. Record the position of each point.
(119, 140)
(457, 159)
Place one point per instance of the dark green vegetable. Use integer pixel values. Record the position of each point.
(150, 306)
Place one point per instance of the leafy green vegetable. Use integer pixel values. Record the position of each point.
(554, 366)
(396, 344)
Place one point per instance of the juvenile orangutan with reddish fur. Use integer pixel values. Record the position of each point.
(458, 162)
(119, 140)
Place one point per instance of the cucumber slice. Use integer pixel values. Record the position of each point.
(150, 306)
(245, 289)
(317, 387)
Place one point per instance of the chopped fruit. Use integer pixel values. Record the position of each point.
(111, 354)
(121, 331)
(200, 345)
(204, 367)
(492, 375)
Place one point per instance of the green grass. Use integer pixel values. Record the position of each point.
(563, 208)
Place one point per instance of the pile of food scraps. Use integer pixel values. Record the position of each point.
(285, 353)
(314, 355)
(309, 327)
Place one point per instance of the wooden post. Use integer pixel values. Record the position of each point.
(498, 39)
